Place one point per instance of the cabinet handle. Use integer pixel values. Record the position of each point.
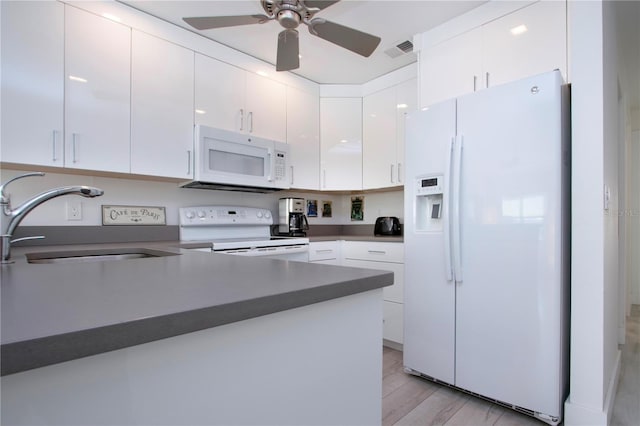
(475, 83)
(188, 162)
(324, 251)
(250, 121)
(241, 119)
(392, 173)
(291, 180)
(487, 80)
(73, 147)
(399, 177)
(324, 178)
(54, 158)
(377, 251)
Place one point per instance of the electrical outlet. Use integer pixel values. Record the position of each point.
(74, 210)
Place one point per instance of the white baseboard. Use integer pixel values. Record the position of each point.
(581, 415)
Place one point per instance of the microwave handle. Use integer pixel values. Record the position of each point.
(271, 165)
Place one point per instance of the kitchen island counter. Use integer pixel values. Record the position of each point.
(53, 313)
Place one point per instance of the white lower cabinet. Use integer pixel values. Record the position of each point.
(387, 257)
(392, 325)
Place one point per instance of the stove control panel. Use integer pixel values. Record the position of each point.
(224, 215)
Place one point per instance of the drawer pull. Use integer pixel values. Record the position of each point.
(324, 251)
(377, 251)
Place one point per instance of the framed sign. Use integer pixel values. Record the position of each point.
(133, 215)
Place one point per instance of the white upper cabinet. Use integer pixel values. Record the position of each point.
(230, 98)
(529, 41)
(266, 104)
(97, 92)
(32, 82)
(303, 135)
(451, 68)
(407, 101)
(383, 134)
(341, 143)
(379, 165)
(161, 107)
(219, 94)
(526, 42)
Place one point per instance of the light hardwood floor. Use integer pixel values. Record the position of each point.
(409, 400)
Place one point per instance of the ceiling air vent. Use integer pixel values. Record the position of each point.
(400, 49)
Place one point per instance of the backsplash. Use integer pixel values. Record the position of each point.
(169, 195)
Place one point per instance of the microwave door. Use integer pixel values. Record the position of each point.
(235, 163)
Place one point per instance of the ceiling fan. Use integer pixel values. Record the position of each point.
(290, 14)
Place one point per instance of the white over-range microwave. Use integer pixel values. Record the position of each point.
(238, 162)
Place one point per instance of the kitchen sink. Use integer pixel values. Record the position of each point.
(95, 255)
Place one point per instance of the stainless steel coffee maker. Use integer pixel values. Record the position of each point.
(291, 218)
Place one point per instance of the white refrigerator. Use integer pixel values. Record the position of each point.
(487, 244)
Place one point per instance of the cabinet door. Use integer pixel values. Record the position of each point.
(266, 103)
(219, 94)
(451, 68)
(529, 41)
(161, 107)
(392, 293)
(392, 326)
(97, 92)
(341, 143)
(32, 82)
(407, 99)
(379, 139)
(303, 135)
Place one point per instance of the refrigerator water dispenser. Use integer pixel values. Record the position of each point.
(429, 203)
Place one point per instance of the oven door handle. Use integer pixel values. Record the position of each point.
(267, 251)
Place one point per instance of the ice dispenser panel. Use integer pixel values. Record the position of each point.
(429, 203)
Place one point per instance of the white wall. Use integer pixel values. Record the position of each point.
(633, 216)
(594, 286)
(169, 195)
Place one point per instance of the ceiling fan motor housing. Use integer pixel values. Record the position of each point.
(288, 19)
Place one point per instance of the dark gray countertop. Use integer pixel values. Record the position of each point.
(59, 312)
(370, 238)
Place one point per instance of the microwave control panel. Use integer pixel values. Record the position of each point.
(280, 168)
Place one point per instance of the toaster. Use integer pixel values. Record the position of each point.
(387, 225)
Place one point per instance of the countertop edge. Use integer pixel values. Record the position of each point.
(70, 346)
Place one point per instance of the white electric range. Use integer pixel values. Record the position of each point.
(235, 230)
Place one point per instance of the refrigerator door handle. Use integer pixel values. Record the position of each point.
(447, 211)
(457, 174)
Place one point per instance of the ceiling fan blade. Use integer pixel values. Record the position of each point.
(319, 4)
(288, 49)
(356, 41)
(210, 22)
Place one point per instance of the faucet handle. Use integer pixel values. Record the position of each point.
(4, 199)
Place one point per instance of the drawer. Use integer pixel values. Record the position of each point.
(324, 250)
(374, 251)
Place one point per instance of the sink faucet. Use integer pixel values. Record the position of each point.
(11, 218)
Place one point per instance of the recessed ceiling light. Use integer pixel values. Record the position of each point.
(401, 106)
(112, 17)
(519, 29)
(343, 141)
(79, 79)
(201, 111)
(262, 73)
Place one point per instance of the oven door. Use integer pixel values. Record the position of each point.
(298, 252)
